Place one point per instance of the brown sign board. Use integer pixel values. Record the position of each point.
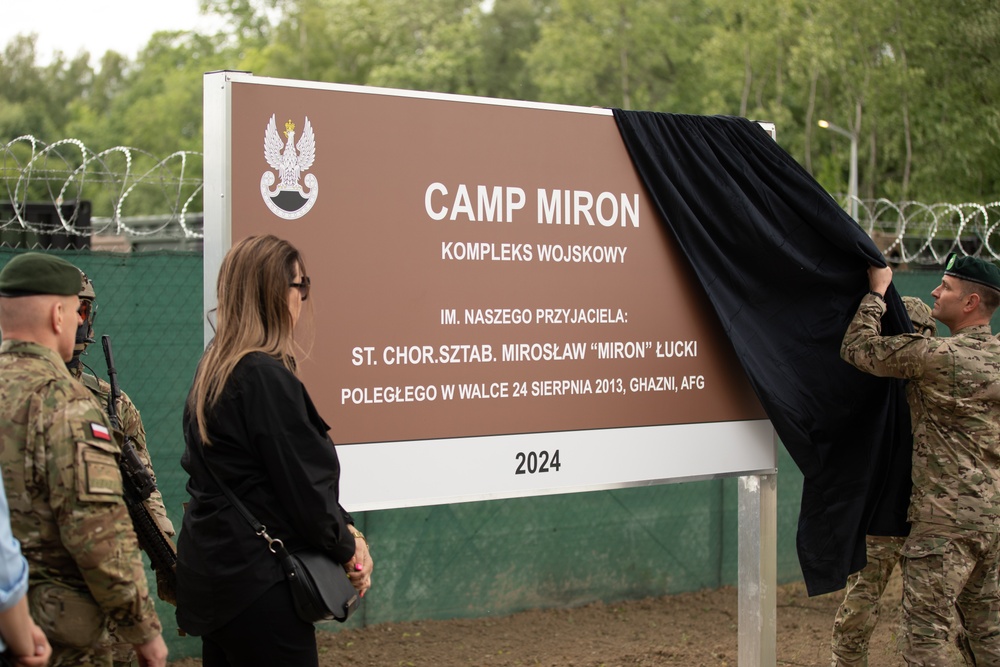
(497, 309)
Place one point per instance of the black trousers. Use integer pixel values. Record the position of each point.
(265, 634)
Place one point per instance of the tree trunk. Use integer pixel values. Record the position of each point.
(623, 56)
(810, 110)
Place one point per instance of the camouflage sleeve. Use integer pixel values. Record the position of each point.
(94, 526)
(903, 356)
(131, 423)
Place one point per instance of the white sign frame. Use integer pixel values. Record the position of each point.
(455, 470)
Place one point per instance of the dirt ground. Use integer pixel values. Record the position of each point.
(692, 629)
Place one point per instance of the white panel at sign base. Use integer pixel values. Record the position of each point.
(498, 309)
(447, 471)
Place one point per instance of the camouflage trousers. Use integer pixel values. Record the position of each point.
(858, 613)
(123, 654)
(119, 655)
(945, 568)
(75, 625)
(69, 656)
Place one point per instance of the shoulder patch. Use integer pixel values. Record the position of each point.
(97, 474)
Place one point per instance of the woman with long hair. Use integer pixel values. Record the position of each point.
(249, 423)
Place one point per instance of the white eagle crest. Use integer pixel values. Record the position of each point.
(288, 158)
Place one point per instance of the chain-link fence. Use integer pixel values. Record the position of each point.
(447, 561)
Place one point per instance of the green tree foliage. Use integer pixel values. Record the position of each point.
(917, 81)
(35, 99)
(633, 54)
(507, 34)
(958, 114)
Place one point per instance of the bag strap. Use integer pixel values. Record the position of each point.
(276, 546)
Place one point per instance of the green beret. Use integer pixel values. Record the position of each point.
(973, 269)
(34, 273)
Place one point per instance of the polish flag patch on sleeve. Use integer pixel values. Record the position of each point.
(100, 431)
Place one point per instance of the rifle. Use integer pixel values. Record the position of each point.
(138, 484)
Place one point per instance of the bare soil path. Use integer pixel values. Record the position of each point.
(692, 629)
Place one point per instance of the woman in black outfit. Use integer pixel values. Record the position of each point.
(251, 420)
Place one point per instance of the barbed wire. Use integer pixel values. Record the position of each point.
(127, 184)
(913, 232)
(121, 183)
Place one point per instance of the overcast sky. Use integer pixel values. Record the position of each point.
(97, 25)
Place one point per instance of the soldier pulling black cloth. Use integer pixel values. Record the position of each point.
(951, 557)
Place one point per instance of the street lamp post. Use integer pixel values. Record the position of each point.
(852, 180)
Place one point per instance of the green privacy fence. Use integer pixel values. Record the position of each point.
(150, 304)
(447, 561)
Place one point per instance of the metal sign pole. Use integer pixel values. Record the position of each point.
(758, 519)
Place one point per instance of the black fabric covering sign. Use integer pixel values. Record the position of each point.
(785, 269)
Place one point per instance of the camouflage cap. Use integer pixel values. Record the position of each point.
(87, 289)
(973, 269)
(34, 273)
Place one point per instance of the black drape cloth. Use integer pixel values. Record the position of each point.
(785, 269)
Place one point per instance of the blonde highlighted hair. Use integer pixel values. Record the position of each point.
(252, 316)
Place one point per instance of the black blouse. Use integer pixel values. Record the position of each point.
(270, 446)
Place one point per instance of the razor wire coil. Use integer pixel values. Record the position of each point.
(123, 183)
(127, 183)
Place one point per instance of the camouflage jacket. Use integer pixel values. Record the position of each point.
(954, 398)
(65, 491)
(131, 427)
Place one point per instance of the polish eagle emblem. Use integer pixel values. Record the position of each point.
(289, 200)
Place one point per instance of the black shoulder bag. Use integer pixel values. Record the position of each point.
(321, 589)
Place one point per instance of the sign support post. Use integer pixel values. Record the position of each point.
(757, 570)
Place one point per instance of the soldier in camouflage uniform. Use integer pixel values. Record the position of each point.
(858, 613)
(952, 555)
(131, 426)
(61, 478)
